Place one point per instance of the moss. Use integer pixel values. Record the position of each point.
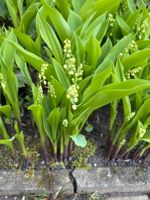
(82, 155)
(46, 180)
(94, 196)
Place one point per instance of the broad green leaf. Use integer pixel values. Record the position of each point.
(37, 112)
(113, 54)
(123, 25)
(146, 137)
(74, 20)
(30, 57)
(79, 140)
(80, 49)
(23, 68)
(6, 110)
(7, 142)
(9, 57)
(3, 131)
(96, 83)
(64, 7)
(86, 8)
(54, 120)
(112, 92)
(27, 42)
(86, 24)
(135, 59)
(93, 51)
(60, 73)
(131, 5)
(58, 21)
(49, 37)
(77, 4)
(102, 6)
(13, 12)
(28, 16)
(94, 28)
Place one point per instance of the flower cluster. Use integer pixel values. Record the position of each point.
(132, 47)
(39, 95)
(132, 72)
(141, 132)
(130, 116)
(142, 29)
(65, 123)
(111, 20)
(78, 75)
(72, 95)
(42, 76)
(123, 8)
(75, 73)
(51, 90)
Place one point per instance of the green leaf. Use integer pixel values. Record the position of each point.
(94, 28)
(135, 59)
(86, 8)
(20, 7)
(27, 42)
(3, 130)
(23, 68)
(58, 21)
(61, 75)
(13, 12)
(27, 17)
(146, 137)
(77, 4)
(110, 93)
(93, 51)
(38, 113)
(123, 25)
(74, 20)
(49, 37)
(54, 120)
(9, 57)
(96, 83)
(6, 110)
(131, 6)
(79, 140)
(102, 6)
(7, 142)
(31, 58)
(113, 54)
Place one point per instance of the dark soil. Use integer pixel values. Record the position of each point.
(100, 123)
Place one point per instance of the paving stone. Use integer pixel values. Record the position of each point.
(144, 197)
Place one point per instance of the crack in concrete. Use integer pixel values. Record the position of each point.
(73, 181)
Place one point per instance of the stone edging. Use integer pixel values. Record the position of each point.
(104, 180)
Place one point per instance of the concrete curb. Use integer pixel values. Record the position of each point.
(108, 180)
(104, 180)
(15, 183)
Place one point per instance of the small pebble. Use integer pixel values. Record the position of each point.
(95, 165)
(42, 162)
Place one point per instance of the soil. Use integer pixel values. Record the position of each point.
(100, 125)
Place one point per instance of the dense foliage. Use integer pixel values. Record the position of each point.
(73, 57)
